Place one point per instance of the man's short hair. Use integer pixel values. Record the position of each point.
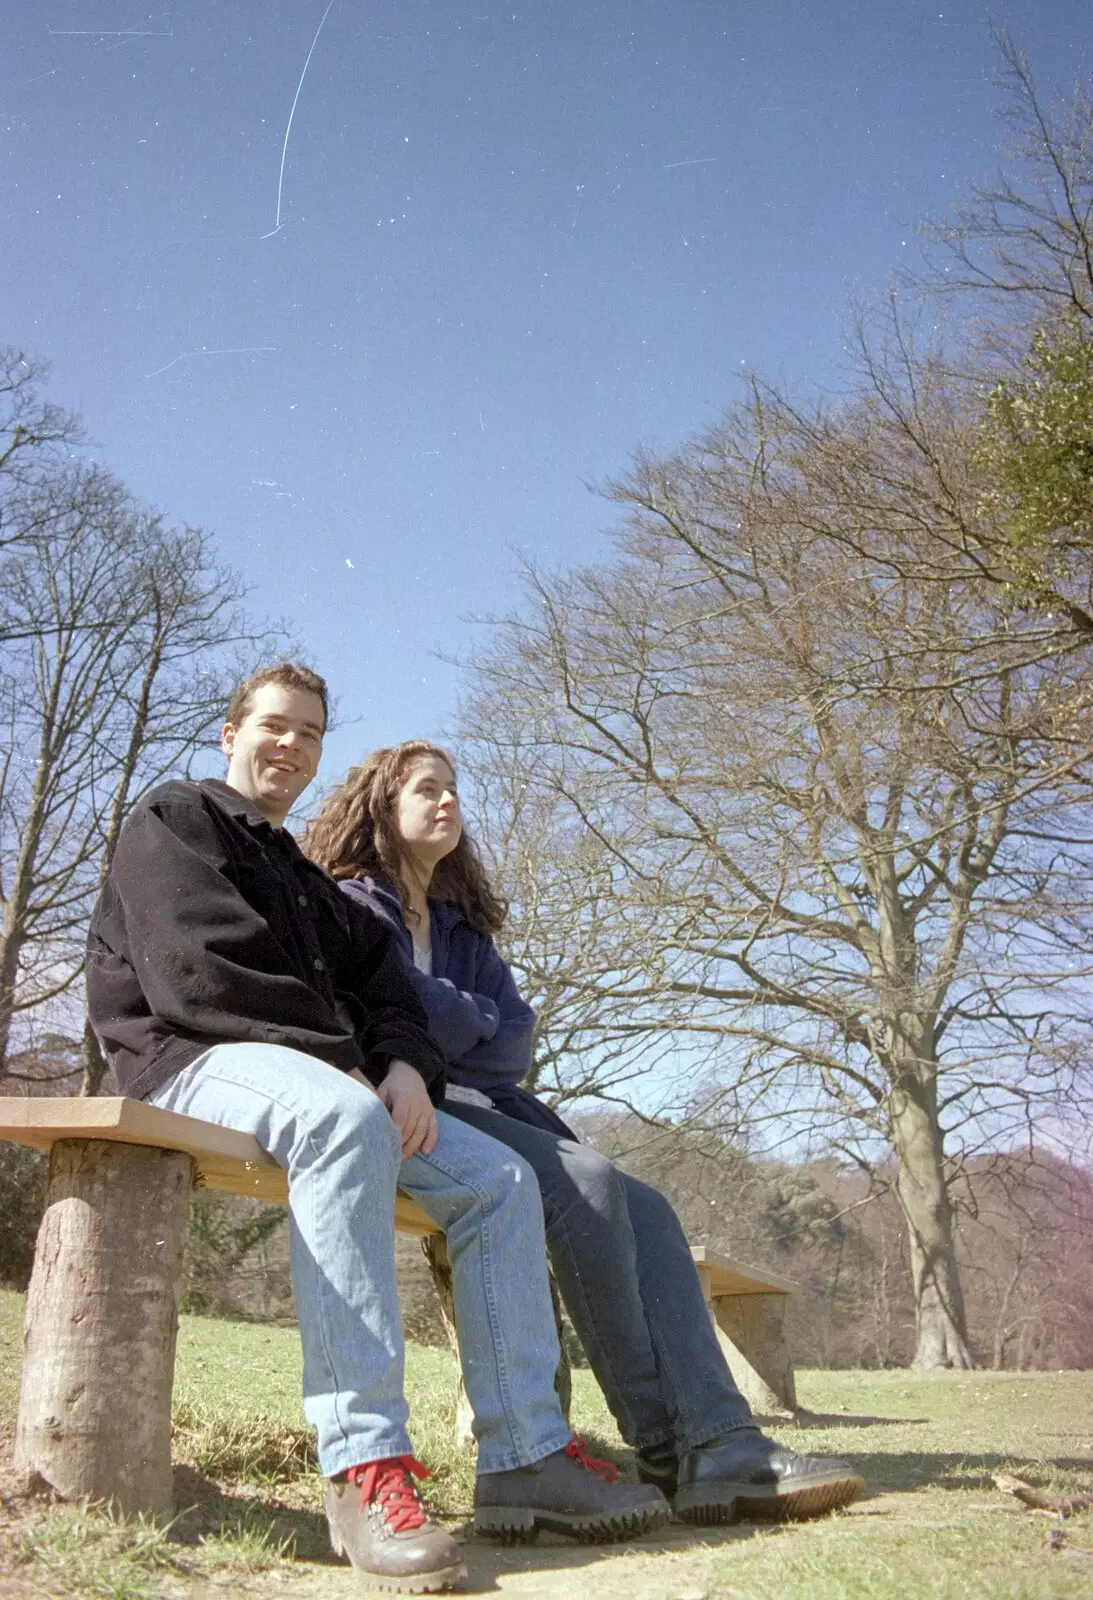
(287, 675)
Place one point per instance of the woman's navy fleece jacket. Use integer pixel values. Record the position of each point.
(475, 1011)
(476, 1014)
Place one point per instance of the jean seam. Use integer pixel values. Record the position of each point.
(684, 1422)
(320, 1296)
(485, 1233)
(623, 1414)
(342, 1460)
(516, 1457)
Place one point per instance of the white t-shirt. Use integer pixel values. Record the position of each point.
(423, 961)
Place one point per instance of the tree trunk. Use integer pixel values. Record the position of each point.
(11, 944)
(96, 1068)
(941, 1338)
(101, 1322)
(14, 932)
(1002, 1333)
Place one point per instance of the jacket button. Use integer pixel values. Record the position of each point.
(318, 965)
(302, 899)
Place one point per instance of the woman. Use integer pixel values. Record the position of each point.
(392, 834)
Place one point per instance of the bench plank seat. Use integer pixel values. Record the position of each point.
(730, 1277)
(224, 1159)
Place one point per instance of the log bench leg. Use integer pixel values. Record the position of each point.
(751, 1331)
(752, 1327)
(101, 1325)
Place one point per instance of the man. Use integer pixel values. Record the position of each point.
(229, 979)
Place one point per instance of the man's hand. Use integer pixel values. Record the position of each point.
(404, 1094)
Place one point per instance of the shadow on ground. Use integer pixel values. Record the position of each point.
(951, 1470)
(488, 1565)
(205, 1509)
(840, 1419)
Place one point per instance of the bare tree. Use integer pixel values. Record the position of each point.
(981, 461)
(119, 638)
(1024, 243)
(1027, 1237)
(1011, 273)
(561, 881)
(843, 807)
(35, 434)
(801, 771)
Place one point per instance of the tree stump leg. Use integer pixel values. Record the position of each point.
(752, 1326)
(435, 1249)
(750, 1329)
(563, 1378)
(101, 1324)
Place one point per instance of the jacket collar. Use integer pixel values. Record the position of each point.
(237, 805)
(383, 889)
(444, 915)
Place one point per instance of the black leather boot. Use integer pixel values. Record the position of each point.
(744, 1476)
(658, 1464)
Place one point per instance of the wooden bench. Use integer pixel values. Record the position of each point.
(102, 1306)
(748, 1309)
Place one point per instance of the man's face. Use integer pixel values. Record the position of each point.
(274, 752)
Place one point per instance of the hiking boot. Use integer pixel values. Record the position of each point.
(377, 1519)
(746, 1476)
(566, 1492)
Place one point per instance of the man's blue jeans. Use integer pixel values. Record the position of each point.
(628, 1281)
(341, 1153)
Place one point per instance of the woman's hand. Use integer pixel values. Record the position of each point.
(404, 1094)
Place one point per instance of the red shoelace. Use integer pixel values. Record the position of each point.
(391, 1484)
(603, 1469)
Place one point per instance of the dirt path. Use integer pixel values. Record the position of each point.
(674, 1566)
(679, 1564)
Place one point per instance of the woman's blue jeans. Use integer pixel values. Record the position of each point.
(628, 1280)
(340, 1150)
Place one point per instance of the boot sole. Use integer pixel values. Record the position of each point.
(728, 1502)
(521, 1524)
(406, 1582)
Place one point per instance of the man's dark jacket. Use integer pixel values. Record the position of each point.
(212, 927)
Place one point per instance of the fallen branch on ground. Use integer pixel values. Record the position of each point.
(1058, 1504)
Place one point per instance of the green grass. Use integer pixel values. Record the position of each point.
(933, 1527)
(11, 1349)
(80, 1552)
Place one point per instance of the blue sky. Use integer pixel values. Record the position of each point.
(515, 242)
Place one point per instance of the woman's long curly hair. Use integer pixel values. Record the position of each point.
(356, 834)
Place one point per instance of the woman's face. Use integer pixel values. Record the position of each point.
(427, 811)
